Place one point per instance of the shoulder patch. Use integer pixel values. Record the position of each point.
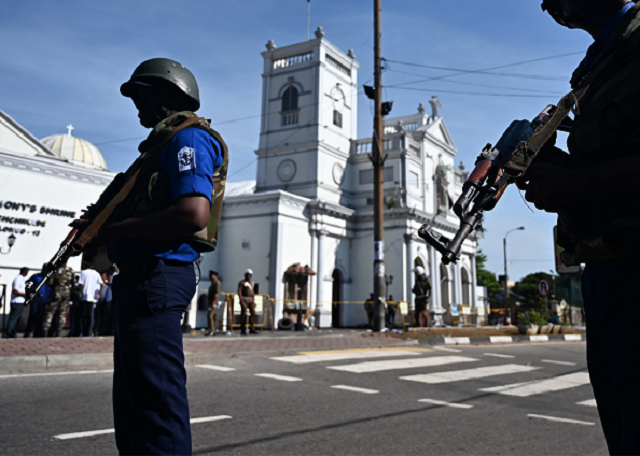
(186, 159)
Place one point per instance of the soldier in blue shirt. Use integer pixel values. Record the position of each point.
(154, 236)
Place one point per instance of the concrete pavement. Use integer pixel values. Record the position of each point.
(453, 399)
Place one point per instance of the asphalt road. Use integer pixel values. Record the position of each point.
(300, 410)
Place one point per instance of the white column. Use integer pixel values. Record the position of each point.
(436, 292)
(474, 281)
(409, 275)
(313, 280)
(324, 309)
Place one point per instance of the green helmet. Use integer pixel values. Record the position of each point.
(160, 69)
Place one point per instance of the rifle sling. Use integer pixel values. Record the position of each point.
(92, 230)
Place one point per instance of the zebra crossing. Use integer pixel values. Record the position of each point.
(447, 366)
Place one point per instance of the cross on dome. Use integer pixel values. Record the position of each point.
(69, 128)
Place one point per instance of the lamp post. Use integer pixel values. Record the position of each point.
(506, 276)
(10, 240)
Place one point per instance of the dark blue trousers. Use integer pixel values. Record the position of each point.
(612, 306)
(151, 410)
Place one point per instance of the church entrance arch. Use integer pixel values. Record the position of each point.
(444, 286)
(336, 298)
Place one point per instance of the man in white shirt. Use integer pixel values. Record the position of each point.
(17, 302)
(92, 285)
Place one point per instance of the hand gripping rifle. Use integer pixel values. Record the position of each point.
(496, 168)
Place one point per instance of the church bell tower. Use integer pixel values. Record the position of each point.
(309, 118)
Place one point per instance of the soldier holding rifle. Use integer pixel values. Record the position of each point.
(169, 215)
(596, 192)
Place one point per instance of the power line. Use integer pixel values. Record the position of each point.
(482, 85)
(507, 95)
(459, 71)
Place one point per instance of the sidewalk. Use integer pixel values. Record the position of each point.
(21, 355)
(39, 355)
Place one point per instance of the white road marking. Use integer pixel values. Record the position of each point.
(541, 386)
(588, 403)
(447, 349)
(572, 337)
(59, 373)
(356, 389)
(457, 340)
(467, 374)
(500, 339)
(539, 338)
(377, 366)
(560, 420)
(282, 378)
(562, 363)
(314, 358)
(215, 368)
(79, 435)
(446, 404)
(498, 355)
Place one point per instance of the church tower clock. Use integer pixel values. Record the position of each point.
(309, 118)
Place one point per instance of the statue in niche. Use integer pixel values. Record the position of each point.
(443, 199)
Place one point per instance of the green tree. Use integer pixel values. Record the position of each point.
(527, 288)
(487, 279)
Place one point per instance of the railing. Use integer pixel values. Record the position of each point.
(293, 60)
(290, 118)
(366, 146)
(339, 66)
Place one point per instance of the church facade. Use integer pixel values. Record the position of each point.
(305, 225)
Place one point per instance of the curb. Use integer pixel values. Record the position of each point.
(503, 339)
(105, 360)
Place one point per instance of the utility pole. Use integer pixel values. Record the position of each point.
(506, 276)
(378, 202)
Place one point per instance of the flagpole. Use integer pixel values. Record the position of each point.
(308, 17)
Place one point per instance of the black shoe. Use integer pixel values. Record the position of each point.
(253, 331)
(243, 333)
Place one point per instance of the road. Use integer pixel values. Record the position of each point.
(520, 399)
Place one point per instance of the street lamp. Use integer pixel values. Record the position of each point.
(10, 240)
(506, 277)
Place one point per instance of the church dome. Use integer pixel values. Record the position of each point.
(78, 151)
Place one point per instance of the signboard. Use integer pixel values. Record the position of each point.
(454, 310)
(480, 311)
(404, 308)
(562, 268)
(544, 288)
(466, 310)
(500, 297)
(237, 309)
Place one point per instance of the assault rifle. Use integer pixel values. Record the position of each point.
(97, 214)
(496, 168)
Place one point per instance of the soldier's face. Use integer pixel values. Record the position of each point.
(149, 106)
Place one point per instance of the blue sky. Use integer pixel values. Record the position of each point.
(63, 62)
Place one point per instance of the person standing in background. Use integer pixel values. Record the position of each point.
(246, 294)
(92, 286)
(212, 299)
(17, 302)
(36, 311)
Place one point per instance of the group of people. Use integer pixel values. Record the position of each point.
(83, 301)
(422, 292)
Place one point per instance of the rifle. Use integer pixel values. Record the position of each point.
(97, 214)
(496, 168)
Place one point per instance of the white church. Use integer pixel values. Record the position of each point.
(305, 225)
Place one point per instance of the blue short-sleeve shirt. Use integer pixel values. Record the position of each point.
(189, 159)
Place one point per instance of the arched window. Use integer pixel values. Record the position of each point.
(290, 99)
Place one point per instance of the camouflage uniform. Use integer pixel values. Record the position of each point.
(59, 302)
(422, 290)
